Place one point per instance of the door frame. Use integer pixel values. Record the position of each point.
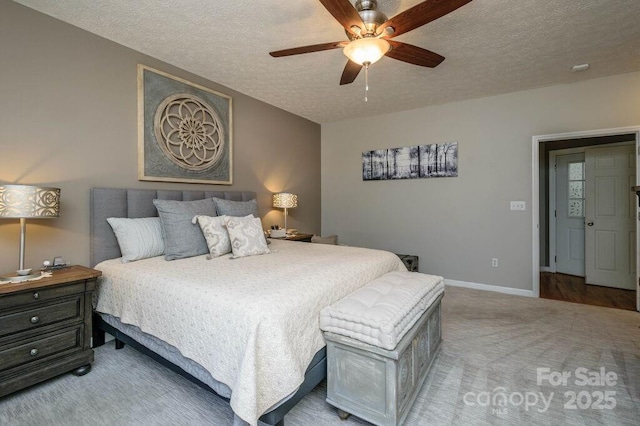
(535, 188)
(551, 237)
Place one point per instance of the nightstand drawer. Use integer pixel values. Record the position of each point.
(39, 295)
(57, 311)
(37, 348)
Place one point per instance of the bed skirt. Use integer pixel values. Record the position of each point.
(203, 377)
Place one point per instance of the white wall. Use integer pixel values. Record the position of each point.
(456, 225)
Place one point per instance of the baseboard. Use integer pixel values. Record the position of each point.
(545, 269)
(487, 287)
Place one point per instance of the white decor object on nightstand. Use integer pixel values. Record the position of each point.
(278, 233)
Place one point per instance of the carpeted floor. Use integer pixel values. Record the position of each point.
(486, 374)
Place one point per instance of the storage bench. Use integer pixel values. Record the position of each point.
(381, 342)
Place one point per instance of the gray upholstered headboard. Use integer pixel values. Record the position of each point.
(118, 202)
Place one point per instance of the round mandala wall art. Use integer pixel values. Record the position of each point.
(189, 132)
(185, 130)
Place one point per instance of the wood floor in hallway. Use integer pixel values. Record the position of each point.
(570, 288)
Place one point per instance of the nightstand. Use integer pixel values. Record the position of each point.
(45, 327)
(299, 237)
(410, 261)
(306, 238)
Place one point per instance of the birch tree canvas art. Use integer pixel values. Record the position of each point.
(412, 162)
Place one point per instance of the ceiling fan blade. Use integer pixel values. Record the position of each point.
(414, 55)
(420, 14)
(308, 49)
(345, 13)
(351, 71)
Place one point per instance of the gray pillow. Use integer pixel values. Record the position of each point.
(236, 208)
(181, 237)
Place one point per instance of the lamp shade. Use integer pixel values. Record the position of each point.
(29, 202)
(366, 50)
(285, 200)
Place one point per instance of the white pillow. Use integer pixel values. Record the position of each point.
(215, 232)
(247, 237)
(138, 238)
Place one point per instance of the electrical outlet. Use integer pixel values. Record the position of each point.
(518, 205)
(494, 262)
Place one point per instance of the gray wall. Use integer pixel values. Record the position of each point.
(456, 225)
(68, 119)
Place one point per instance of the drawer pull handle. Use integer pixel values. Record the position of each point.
(36, 295)
(35, 319)
(33, 352)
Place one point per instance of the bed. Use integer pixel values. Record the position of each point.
(245, 328)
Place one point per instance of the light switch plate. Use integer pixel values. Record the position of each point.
(518, 205)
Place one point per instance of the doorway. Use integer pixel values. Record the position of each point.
(592, 213)
(578, 253)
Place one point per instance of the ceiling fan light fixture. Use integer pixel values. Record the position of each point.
(368, 49)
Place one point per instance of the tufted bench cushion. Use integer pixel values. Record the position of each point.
(381, 312)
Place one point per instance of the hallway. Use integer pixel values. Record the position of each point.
(570, 288)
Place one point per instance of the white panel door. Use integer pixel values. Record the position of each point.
(570, 175)
(610, 217)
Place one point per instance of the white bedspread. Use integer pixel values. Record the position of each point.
(251, 322)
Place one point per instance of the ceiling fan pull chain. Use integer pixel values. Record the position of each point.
(366, 82)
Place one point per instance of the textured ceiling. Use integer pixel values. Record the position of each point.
(491, 47)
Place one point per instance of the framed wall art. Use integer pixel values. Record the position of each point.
(411, 162)
(184, 130)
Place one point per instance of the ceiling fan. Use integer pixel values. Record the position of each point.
(370, 33)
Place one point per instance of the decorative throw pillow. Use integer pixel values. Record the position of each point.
(182, 238)
(138, 238)
(215, 232)
(247, 237)
(236, 208)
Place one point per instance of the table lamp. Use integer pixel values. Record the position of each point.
(285, 200)
(27, 202)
